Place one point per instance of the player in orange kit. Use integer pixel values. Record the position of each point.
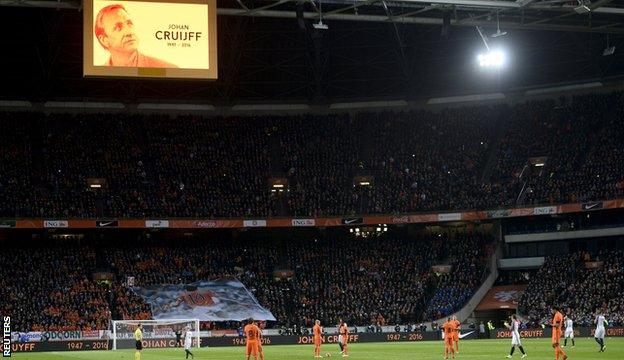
(317, 330)
(456, 326)
(448, 327)
(252, 335)
(260, 350)
(557, 323)
(344, 332)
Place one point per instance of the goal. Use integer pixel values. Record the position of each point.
(164, 330)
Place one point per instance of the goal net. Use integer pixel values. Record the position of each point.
(160, 332)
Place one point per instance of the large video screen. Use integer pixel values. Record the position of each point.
(170, 39)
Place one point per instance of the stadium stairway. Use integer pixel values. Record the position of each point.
(364, 165)
(101, 265)
(528, 175)
(276, 160)
(486, 171)
(468, 309)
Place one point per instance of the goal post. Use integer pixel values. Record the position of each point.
(154, 329)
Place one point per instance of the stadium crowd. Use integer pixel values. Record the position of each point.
(52, 289)
(581, 284)
(156, 166)
(190, 166)
(385, 279)
(428, 161)
(579, 142)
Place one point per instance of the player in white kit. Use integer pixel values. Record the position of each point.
(340, 336)
(600, 331)
(569, 332)
(514, 327)
(188, 341)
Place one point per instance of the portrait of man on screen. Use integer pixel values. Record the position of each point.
(115, 31)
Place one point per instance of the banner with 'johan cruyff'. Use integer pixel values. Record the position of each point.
(146, 38)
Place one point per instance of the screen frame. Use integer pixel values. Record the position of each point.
(90, 70)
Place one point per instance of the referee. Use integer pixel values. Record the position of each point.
(138, 337)
(178, 335)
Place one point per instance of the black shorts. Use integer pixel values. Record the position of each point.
(139, 345)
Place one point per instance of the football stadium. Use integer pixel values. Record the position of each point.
(298, 179)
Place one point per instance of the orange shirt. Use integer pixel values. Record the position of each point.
(252, 332)
(344, 331)
(317, 330)
(456, 325)
(557, 321)
(448, 329)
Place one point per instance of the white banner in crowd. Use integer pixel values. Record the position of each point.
(449, 217)
(35, 336)
(303, 222)
(23, 337)
(254, 223)
(55, 223)
(217, 300)
(545, 210)
(156, 223)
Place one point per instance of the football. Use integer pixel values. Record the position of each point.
(327, 354)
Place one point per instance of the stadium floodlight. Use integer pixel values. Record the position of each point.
(491, 59)
(498, 32)
(582, 9)
(319, 25)
(608, 51)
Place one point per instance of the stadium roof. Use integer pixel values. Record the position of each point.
(373, 49)
(601, 16)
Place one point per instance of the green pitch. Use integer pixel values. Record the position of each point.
(537, 349)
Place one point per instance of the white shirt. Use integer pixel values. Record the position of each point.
(188, 340)
(569, 324)
(600, 321)
(515, 334)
